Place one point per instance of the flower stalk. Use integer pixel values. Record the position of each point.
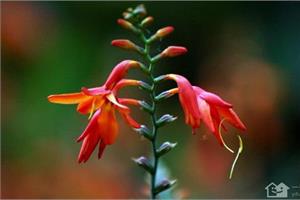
(152, 94)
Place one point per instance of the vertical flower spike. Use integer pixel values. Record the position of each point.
(212, 109)
(102, 103)
(188, 100)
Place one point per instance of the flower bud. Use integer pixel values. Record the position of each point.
(165, 148)
(161, 33)
(126, 15)
(146, 107)
(165, 119)
(127, 25)
(124, 44)
(160, 78)
(166, 94)
(144, 131)
(164, 31)
(145, 86)
(147, 21)
(173, 51)
(164, 185)
(144, 163)
(140, 10)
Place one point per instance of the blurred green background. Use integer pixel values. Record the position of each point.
(247, 52)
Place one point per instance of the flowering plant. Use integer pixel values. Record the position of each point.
(101, 103)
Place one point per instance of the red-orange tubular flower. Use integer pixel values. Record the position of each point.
(125, 24)
(213, 109)
(164, 31)
(103, 127)
(188, 100)
(173, 51)
(125, 44)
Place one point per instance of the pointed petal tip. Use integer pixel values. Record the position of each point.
(49, 98)
(52, 98)
(79, 159)
(85, 90)
(243, 128)
(79, 139)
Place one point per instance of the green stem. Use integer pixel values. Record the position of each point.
(153, 118)
(154, 129)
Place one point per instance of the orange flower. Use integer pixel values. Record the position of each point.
(200, 105)
(91, 99)
(103, 127)
(187, 99)
(212, 109)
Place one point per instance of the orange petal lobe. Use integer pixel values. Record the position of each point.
(71, 98)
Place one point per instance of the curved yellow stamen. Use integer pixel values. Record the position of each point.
(237, 156)
(238, 152)
(220, 128)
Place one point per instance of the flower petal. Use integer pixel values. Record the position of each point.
(130, 121)
(211, 98)
(91, 127)
(115, 102)
(232, 118)
(85, 106)
(95, 91)
(90, 137)
(89, 144)
(188, 100)
(70, 98)
(107, 122)
(119, 72)
(101, 149)
(216, 121)
(205, 113)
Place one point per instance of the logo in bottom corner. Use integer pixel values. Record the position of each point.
(277, 191)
